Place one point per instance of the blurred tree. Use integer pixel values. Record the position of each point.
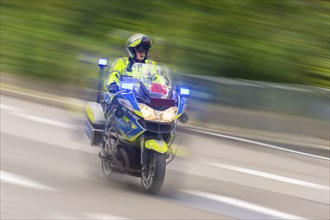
(270, 40)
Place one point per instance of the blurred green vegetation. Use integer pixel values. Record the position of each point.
(269, 40)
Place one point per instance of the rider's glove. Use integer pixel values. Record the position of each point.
(113, 87)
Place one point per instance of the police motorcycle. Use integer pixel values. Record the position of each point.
(136, 126)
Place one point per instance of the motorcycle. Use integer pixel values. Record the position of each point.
(136, 126)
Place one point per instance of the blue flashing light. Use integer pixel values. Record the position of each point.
(103, 62)
(185, 91)
(129, 86)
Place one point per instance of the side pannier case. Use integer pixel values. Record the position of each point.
(94, 123)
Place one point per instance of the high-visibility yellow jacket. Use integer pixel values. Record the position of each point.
(117, 69)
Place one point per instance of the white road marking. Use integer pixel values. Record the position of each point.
(8, 107)
(243, 204)
(101, 216)
(257, 143)
(84, 216)
(83, 146)
(43, 120)
(58, 216)
(23, 181)
(268, 175)
(21, 113)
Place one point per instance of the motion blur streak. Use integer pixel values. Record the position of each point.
(268, 175)
(8, 108)
(243, 204)
(257, 143)
(103, 216)
(12, 178)
(44, 120)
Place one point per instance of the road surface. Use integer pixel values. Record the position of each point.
(49, 171)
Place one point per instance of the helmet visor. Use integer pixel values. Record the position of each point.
(142, 48)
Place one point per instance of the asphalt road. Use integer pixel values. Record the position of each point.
(49, 171)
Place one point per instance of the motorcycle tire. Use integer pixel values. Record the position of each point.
(153, 173)
(110, 173)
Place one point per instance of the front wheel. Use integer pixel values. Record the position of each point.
(153, 173)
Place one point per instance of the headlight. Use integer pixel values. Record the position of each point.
(169, 114)
(147, 112)
(161, 116)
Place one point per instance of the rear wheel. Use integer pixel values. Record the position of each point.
(109, 170)
(110, 173)
(153, 173)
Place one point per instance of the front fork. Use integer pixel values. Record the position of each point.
(160, 146)
(143, 152)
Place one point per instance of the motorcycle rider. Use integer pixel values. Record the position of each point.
(137, 48)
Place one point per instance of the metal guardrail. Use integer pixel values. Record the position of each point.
(306, 101)
(261, 106)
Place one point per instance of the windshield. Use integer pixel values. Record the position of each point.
(149, 79)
